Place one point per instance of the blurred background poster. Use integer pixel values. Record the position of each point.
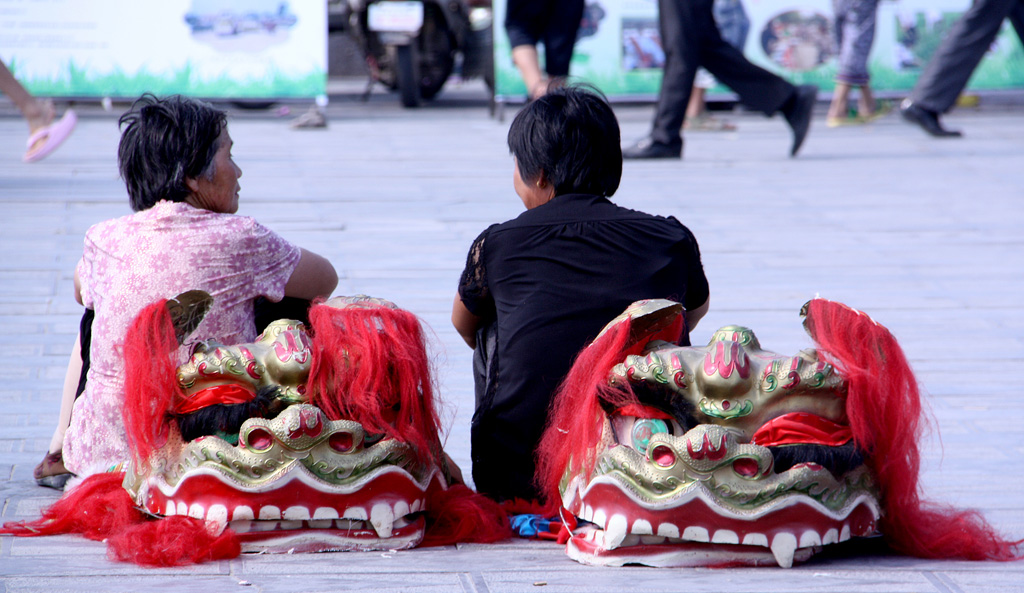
(619, 48)
(204, 48)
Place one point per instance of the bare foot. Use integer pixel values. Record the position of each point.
(838, 110)
(540, 89)
(706, 123)
(39, 114)
(47, 132)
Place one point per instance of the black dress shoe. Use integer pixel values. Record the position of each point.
(927, 119)
(798, 114)
(652, 149)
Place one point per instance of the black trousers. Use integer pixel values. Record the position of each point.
(553, 22)
(691, 40)
(503, 442)
(85, 342)
(947, 73)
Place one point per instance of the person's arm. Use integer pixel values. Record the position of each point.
(694, 315)
(465, 322)
(313, 277)
(696, 282)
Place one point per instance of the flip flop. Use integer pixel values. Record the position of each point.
(706, 123)
(54, 135)
(313, 118)
(881, 110)
(838, 122)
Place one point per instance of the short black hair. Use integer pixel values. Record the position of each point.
(163, 143)
(572, 137)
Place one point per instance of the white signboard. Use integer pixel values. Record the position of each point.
(202, 48)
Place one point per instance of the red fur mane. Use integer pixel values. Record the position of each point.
(884, 407)
(370, 365)
(151, 380)
(574, 420)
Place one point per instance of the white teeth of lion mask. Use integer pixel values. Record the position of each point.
(294, 492)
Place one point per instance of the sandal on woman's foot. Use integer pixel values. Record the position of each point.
(706, 123)
(313, 118)
(838, 122)
(51, 472)
(46, 139)
(881, 110)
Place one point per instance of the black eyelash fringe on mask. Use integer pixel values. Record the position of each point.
(837, 460)
(227, 419)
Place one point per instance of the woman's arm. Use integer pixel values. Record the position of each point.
(465, 322)
(313, 277)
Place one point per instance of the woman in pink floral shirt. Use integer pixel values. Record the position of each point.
(175, 158)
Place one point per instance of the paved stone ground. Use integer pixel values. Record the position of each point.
(924, 235)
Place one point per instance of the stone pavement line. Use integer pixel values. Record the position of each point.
(939, 583)
(923, 235)
(472, 583)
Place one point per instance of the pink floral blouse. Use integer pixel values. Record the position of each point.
(132, 261)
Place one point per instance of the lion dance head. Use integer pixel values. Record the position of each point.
(318, 439)
(729, 454)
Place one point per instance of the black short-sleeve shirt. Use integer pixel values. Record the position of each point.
(546, 283)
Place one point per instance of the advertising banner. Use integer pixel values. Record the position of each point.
(203, 48)
(619, 49)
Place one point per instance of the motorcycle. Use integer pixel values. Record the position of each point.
(413, 46)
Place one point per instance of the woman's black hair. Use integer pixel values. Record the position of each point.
(163, 143)
(571, 136)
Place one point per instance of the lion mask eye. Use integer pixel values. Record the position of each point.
(636, 431)
(644, 429)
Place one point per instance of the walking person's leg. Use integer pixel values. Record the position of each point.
(758, 88)
(563, 24)
(855, 34)
(1016, 17)
(521, 24)
(680, 38)
(953, 63)
(45, 135)
(839, 108)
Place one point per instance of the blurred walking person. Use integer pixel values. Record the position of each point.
(554, 23)
(45, 134)
(734, 25)
(691, 40)
(855, 33)
(946, 75)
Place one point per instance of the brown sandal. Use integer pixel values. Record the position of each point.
(51, 472)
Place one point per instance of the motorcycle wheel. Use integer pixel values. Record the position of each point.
(436, 52)
(408, 75)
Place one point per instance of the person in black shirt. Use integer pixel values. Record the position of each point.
(538, 288)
